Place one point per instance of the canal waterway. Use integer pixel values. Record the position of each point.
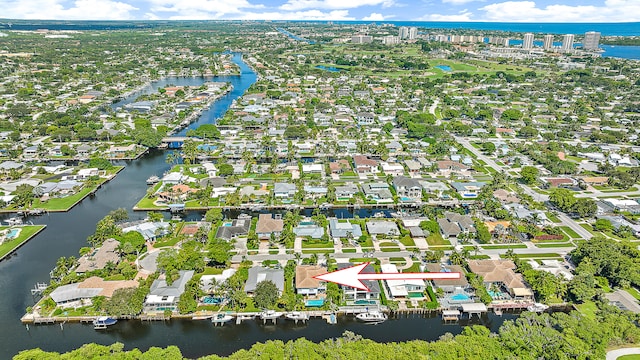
(67, 232)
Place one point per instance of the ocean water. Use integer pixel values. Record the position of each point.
(607, 29)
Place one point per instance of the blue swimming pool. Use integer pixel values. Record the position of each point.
(444, 67)
(365, 302)
(212, 300)
(314, 303)
(460, 297)
(13, 233)
(404, 198)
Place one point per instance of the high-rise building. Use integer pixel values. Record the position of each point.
(567, 42)
(548, 42)
(390, 40)
(527, 43)
(591, 40)
(407, 33)
(361, 39)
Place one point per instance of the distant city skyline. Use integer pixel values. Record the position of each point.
(573, 11)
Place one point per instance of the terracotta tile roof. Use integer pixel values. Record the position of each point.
(498, 271)
(305, 274)
(267, 224)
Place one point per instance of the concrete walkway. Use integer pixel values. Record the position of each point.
(614, 354)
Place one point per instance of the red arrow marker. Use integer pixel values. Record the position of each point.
(353, 276)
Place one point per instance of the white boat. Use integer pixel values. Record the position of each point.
(296, 316)
(153, 180)
(372, 316)
(269, 314)
(14, 221)
(103, 322)
(537, 307)
(221, 318)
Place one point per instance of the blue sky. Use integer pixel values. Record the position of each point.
(374, 10)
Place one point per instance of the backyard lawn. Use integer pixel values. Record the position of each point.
(437, 239)
(26, 233)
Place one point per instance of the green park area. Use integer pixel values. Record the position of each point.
(22, 235)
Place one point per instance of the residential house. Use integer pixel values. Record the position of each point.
(392, 168)
(383, 227)
(453, 224)
(557, 182)
(150, 231)
(306, 284)
(365, 165)
(312, 168)
(267, 225)
(259, 274)
(378, 191)
(353, 296)
(447, 167)
(163, 296)
(501, 280)
(365, 118)
(307, 228)
(284, 190)
(346, 191)
(122, 151)
(340, 166)
(343, 228)
(208, 283)
(98, 259)
(235, 228)
(80, 294)
(413, 166)
(469, 189)
(449, 286)
(403, 289)
(315, 192)
(407, 188)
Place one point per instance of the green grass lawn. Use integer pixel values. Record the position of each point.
(211, 271)
(318, 251)
(437, 239)
(630, 357)
(407, 241)
(317, 244)
(554, 245)
(26, 233)
(390, 249)
(540, 256)
(552, 217)
(569, 231)
(588, 309)
(348, 250)
(634, 292)
(169, 241)
(505, 246)
(147, 203)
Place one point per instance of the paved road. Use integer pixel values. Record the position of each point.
(614, 354)
(379, 254)
(566, 221)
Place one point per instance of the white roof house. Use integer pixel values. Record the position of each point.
(400, 288)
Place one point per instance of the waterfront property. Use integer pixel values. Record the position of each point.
(307, 285)
(80, 294)
(502, 282)
(258, 274)
(98, 258)
(403, 289)
(353, 296)
(163, 296)
(268, 225)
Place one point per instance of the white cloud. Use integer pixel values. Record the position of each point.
(375, 17)
(200, 9)
(298, 15)
(464, 15)
(457, 2)
(76, 10)
(528, 11)
(293, 5)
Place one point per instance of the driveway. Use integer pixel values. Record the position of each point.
(614, 354)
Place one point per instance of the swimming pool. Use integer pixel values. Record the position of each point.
(460, 297)
(13, 233)
(365, 302)
(212, 300)
(444, 67)
(314, 302)
(404, 198)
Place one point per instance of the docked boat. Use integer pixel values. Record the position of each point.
(153, 180)
(269, 315)
(537, 307)
(103, 322)
(221, 318)
(296, 316)
(372, 316)
(13, 221)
